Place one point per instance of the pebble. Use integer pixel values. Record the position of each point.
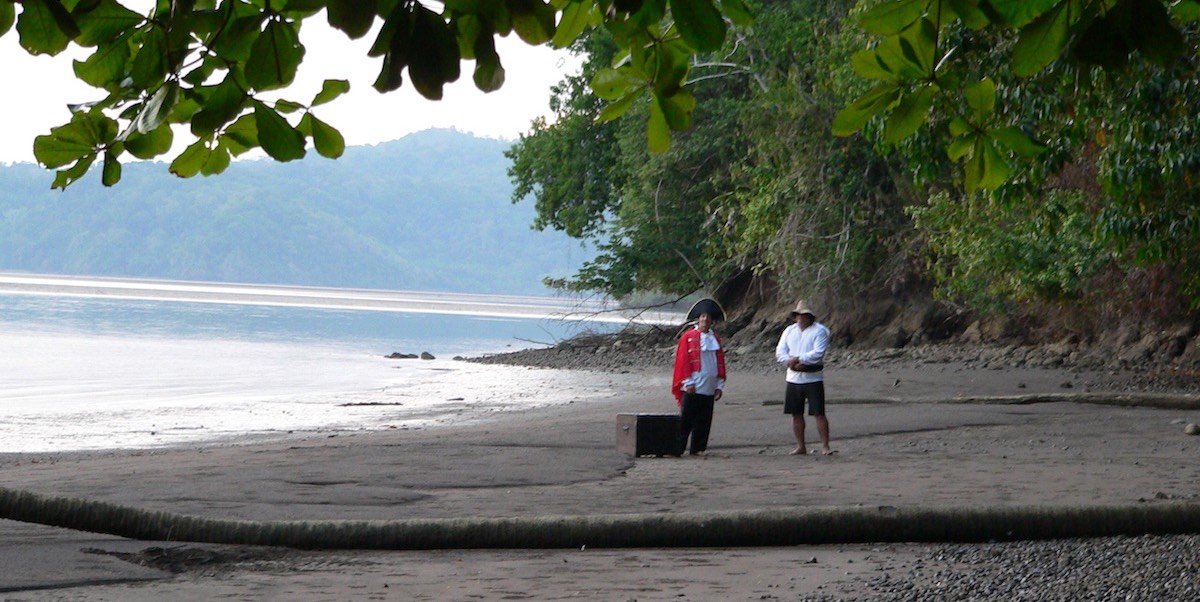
(1154, 567)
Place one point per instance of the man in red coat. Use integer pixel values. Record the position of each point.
(699, 376)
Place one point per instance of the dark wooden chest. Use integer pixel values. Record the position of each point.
(649, 434)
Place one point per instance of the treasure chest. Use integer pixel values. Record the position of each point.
(649, 434)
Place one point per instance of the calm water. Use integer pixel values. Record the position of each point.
(92, 364)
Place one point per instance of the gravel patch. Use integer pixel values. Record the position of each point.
(1161, 568)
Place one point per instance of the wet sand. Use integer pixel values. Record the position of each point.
(906, 437)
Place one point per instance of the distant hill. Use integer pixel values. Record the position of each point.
(430, 211)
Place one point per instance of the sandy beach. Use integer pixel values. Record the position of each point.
(907, 436)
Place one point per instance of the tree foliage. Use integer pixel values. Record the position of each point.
(218, 66)
(755, 184)
(926, 63)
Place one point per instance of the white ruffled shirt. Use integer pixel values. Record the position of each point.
(706, 380)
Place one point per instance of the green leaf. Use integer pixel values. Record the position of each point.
(909, 115)
(900, 58)
(330, 90)
(275, 57)
(104, 21)
(1186, 11)
(611, 84)
(996, 168)
(157, 110)
(287, 107)
(959, 126)
(867, 64)
(975, 169)
(575, 18)
(433, 55)
(1019, 13)
(619, 106)
(960, 147)
(891, 17)
(217, 162)
(45, 27)
(700, 24)
(658, 133)
(919, 44)
(1015, 140)
(222, 104)
(278, 138)
(78, 138)
(53, 151)
(489, 73)
(150, 144)
(987, 169)
(677, 108)
(326, 139)
(394, 44)
(150, 63)
(241, 135)
(110, 173)
(852, 118)
(738, 12)
(237, 38)
(8, 16)
(468, 30)
(1041, 42)
(970, 14)
(354, 17)
(533, 21)
(192, 159)
(981, 97)
(105, 66)
(672, 62)
(66, 177)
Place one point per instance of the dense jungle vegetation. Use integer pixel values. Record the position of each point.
(1100, 217)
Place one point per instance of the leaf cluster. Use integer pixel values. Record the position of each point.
(206, 64)
(924, 68)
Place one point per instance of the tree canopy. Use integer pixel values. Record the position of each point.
(976, 157)
(208, 63)
(928, 54)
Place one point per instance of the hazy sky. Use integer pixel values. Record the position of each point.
(38, 90)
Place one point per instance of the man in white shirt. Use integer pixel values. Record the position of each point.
(802, 349)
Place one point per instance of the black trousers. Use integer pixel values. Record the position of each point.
(695, 420)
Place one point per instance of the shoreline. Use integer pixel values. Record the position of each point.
(916, 449)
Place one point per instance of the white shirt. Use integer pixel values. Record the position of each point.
(808, 345)
(706, 380)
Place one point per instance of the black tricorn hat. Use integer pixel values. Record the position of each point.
(707, 306)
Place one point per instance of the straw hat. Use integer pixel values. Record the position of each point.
(803, 308)
(706, 306)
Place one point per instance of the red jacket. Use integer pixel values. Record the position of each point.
(687, 361)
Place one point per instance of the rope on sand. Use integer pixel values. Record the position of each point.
(775, 527)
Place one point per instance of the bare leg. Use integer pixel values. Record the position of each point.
(798, 431)
(823, 431)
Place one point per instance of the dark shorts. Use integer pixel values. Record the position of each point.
(796, 394)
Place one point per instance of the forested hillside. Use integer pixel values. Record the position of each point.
(1037, 206)
(431, 211)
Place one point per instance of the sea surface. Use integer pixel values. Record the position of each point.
(95, 363)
